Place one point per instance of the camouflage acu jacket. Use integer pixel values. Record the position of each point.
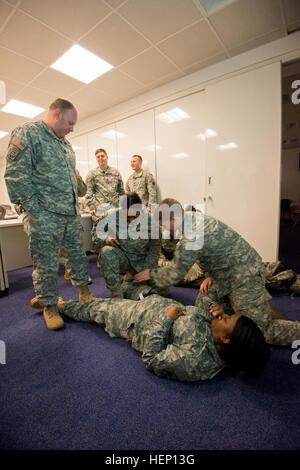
(103, 186)
(220, 251)
(144, 185)
(135, 239)
(40, 170)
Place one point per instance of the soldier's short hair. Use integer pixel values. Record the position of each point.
(174, 207)
(138, 156)
(100, 150)
(62, 104)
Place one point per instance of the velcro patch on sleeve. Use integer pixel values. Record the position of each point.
(19, 144)
(12, 152)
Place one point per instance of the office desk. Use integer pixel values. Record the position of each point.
(14, 250)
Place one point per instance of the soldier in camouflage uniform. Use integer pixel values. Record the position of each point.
(178, 342)
(122, 251)
(141, 182)
(193, 278)
(104, 184)
(40, 175)
(234, 266)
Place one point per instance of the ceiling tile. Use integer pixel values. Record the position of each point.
(36, 97)
(16, 67)
(8, 122)
(72, 18)
(205, 63)
(116, 84)
(244, 20)
(148, 66)
(158, 19)
(114, 41)
(90, 101)
(57, 83)
(192, 45)
(12, 2)
(163, 80)
(5, 10)
(11, 89)
(24, 35)
(291, 11)
(115, 3)
(257, 42)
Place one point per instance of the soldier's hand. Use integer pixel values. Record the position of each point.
(216, 310)
(174, 312)
(112, 242)
(93, 212)
(205, 285)
(142, 276)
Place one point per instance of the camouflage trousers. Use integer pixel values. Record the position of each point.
(50, 235)
(114, 261)
(251, 298)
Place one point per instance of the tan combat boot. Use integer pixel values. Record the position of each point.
(52, 317)
(85, 295)
(34, 303)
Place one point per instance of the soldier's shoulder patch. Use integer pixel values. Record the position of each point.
(12, 152)
(19, 144)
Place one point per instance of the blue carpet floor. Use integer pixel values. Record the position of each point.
(77, 388)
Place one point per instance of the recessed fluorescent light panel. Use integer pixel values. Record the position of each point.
(174, 115)
(3, 134)
(113, 135)
(22, 109)
(81, 64)
(210, 6)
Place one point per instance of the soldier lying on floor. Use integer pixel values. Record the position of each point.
(180, 342)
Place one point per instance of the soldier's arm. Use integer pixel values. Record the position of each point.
(90, 194)
(151, 187)
(127, 187)
(120, 189)
(183, 261)
(81, 186)
(164, 359)
(19, 168)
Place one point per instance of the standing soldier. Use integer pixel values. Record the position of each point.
(40, 175)
(104, 184)
(141, 182)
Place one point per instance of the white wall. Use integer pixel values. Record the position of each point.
(290, 174)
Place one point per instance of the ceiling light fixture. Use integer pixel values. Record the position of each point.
(210, 6)
(22, 109)
(81, 64)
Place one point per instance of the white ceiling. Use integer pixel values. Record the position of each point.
(149, 43)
